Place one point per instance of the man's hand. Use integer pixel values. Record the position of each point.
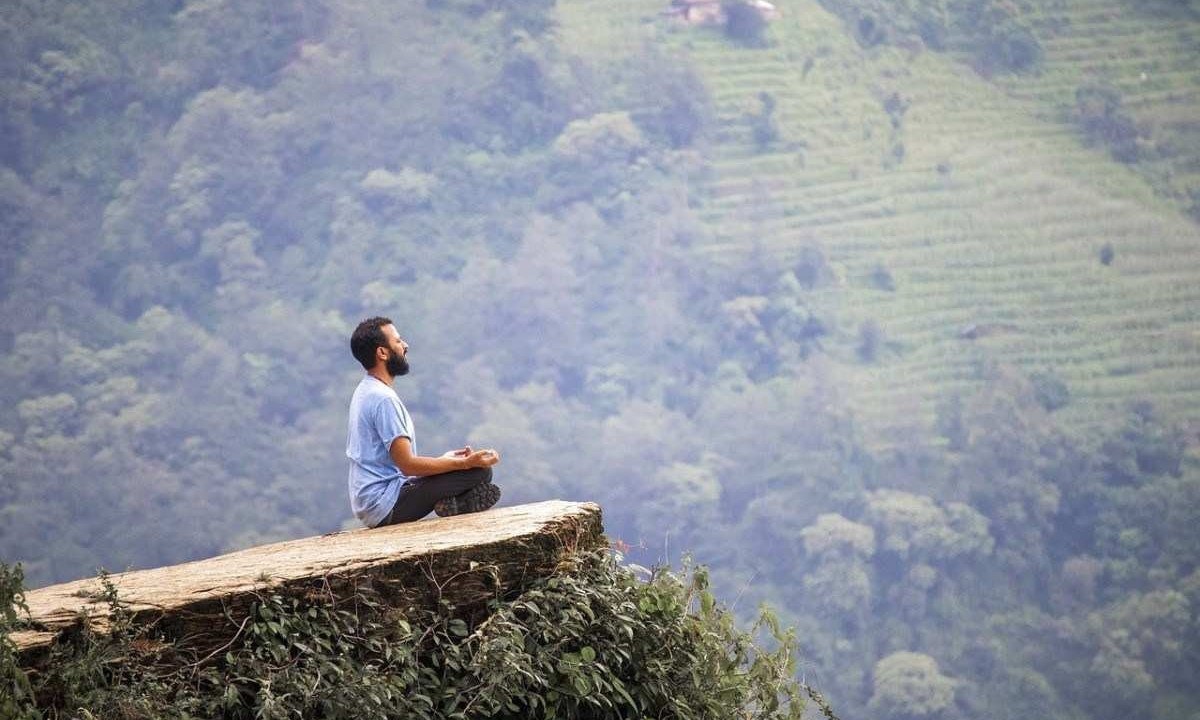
(482, 458)
(474, 458)
(463, 458)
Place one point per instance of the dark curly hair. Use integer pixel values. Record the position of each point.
(366, 337)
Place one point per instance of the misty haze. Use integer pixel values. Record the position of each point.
(886, 312)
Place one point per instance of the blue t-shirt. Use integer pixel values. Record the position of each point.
(377, 417)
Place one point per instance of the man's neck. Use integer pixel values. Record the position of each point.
(381, 375)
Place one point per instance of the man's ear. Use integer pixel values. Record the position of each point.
(380, 354)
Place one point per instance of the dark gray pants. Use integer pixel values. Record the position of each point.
(418, 495)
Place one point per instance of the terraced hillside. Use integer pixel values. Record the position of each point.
(1149, 54)
(975, 201)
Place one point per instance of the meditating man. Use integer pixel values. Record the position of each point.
(389, 482)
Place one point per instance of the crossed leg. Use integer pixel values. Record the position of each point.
(418, 495)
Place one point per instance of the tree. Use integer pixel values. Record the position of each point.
(1138, 644)
(914, 528)
(839, 581)
(763, 126)
(592, 157)
(505, 424)
(1050, 389)
(744, 23)
(909, 686)
(228, 43)
(1144, 445)
(870, 339)
(671, 100)
(1007, 41)
(1103, 120)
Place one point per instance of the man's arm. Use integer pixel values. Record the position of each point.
(420, 465)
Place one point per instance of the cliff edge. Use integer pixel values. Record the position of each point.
(466, 559)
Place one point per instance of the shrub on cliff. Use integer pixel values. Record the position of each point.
(591, 641)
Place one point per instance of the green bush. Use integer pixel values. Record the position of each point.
(869, 31)
(870, 341)
(744, 23)
(1005, 40)
(1103, 120)
(881, 279)
(1050, 390)
(592, 641)
(763, 126)
(1013, 47)
(16, 695)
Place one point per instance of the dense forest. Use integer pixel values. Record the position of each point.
(200, 199)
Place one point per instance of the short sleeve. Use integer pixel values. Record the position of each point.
(391, 422)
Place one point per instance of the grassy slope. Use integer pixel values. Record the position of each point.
(1149, 52)
(1007, 231)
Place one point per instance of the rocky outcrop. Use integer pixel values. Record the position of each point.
(467, 560)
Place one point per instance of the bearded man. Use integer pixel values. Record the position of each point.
(389, 482)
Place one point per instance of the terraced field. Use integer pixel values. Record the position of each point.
(1148, 52)
(979, 199)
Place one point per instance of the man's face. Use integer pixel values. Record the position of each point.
(397, 352)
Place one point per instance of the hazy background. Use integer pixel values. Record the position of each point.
(887, 311)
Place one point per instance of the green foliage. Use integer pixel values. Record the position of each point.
(881, 278)
(833, 537)
(870, 341)
(869, 30)
(16, 693)
(998, 32)
(199, 200)
(1193, 203)
(1130, 637)
(1050, 389)
(908, 686)
(591, 641)
(670, 101)
(1144, 445)
(763, 126)
(609, 137)
(409, 188)
(763, 332)
(916, 528)
(744, 23)
(1104, 122)
(535, 16)
(950, 422)
(1007, 41)
(840, 577)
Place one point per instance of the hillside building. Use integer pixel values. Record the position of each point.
(711, 12)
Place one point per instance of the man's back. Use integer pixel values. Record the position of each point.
(376, 418)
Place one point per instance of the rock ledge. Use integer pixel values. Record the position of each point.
(466, 559)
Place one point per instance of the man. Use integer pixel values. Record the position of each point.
(389, 482)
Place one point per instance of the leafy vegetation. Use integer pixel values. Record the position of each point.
(16, 694)
(744, 23)
(1104, 122)
(850, 345)
(1000, 35)
(590, 641)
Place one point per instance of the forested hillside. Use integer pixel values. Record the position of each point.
(886, 312)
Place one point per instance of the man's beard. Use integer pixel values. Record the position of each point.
(397, 365)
